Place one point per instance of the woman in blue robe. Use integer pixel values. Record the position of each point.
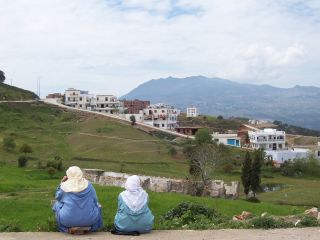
(77, 203)
(133, 215)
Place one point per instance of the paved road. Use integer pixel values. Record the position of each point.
(277, 234)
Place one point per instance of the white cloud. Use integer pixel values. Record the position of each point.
(114, 45)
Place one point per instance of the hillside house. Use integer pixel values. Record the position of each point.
(79, 99)
(134, 106)
(230, 139)
(190, 131)
(107, 104)
(161, 116)
(192, 112)
(268, 139)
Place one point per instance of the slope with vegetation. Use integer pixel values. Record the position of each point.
(11, 93)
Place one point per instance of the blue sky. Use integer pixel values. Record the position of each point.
(111, 46)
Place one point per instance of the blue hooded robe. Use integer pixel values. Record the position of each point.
(127, 220)
(78, 209)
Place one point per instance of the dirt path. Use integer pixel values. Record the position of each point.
(277, 234)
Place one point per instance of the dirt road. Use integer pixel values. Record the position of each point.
(277, 234)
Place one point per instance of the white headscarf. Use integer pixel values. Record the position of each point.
(134, 196)
(76, 182)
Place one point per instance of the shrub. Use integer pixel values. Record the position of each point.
(227, 168)
(190, 216)
(51, 171)
(9, 143)
(309, 221)
(173, 151)
(25, 148)
(268, 222)
(22, 161)
(56, 164)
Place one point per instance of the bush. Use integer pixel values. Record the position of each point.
(309, 221)
(51, 171)
(9, 143)
(173, 151)
(190, 216)
(25, 148)
(227, 168)
(22, 161)
(268, 222)
(56, 164)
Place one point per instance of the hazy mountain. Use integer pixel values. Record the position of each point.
(298, 105)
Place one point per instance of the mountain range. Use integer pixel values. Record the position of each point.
(299, 105)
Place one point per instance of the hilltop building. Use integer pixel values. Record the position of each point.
(79, 99)
(161, 116)
(107, 104)
(192, 112)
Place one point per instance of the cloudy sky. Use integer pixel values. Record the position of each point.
(111, 46)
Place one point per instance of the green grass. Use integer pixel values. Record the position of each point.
(25, 196)
(11, 93)
(96, 142)
(89, 142)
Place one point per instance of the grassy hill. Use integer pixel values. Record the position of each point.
(11, 93)
(88, 141)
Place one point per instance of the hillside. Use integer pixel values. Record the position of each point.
(297, 106)
(86, 140)
(11, 93)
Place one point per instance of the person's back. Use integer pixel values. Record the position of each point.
(77, 204)
(133, 213)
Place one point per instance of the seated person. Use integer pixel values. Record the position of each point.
(133, 215)
(77, 203)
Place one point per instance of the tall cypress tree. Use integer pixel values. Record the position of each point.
(246, 173)
(255, 179)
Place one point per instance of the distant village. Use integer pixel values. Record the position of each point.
(256, 134)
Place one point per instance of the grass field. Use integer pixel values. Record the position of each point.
(89, 142)
(96, 142)
(25, 196)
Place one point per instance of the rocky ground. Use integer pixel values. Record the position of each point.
(236, 234)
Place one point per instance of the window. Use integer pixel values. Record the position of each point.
(106, 99)
(162, 125)
(81, 99)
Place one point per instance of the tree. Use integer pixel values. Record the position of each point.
(2, 76)
(246, 173)
(9, 143)
(25, 148)
(204, 160)
(133, 120)
(255, 179)
(22, 161)
(203, 136)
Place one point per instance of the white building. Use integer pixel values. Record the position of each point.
(107, 104)
(161, 116)
(71, 97)
(280, 156)
(79, 99)
(268, 139)
(227, 139)
(192, 112)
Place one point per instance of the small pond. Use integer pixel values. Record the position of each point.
(272, 187)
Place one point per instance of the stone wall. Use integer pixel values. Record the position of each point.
(216, 188)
